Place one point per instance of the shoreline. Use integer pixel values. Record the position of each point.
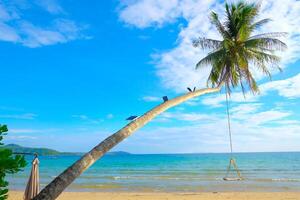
(18, 195)
(267, 172)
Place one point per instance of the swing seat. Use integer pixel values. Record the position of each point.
(232, 179)
(233, 164)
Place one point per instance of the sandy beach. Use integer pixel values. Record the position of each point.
(17, 195)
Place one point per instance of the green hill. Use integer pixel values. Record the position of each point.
(50, 152)
(40, 151)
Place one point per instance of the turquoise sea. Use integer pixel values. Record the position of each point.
(174, 173)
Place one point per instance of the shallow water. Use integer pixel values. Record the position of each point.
(174, 173)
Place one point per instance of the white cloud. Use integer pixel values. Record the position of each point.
(216, 100)
(176, 67)
(251, 113)
(19, 116)
(265, 117)
(9, 108)
(213, 137)
(250, 130)
(20, 137)
(285, 17)
(207, 132)
(79, 139)
(83, 117)
(289, 88)
(61, 31)
(190, 117)
(151, 99)
(14, 28)
(7, 13)
(25, 131)
(8, 33)
(245, 108)
(52, 6)
(155, 12)
(88, 119)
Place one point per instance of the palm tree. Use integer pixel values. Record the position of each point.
(52, 190)
(232, 56)
(227, 67)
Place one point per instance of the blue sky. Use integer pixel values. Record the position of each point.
(73, 71)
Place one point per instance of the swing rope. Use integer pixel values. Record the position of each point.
(232, 160)
(228, 122)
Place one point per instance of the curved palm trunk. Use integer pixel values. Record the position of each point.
(53, 190)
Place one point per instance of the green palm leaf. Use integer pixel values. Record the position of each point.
(210, 59)
(206, 43)
(239, 49)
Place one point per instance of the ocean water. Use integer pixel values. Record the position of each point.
(174, 173)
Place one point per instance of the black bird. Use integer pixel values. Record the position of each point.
(189, 89)
(132, 117)
(165, 98)
(194, 89)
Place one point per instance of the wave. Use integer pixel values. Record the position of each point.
(187, 178)
(286, 179)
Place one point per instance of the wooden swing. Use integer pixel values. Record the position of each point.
(232, 162)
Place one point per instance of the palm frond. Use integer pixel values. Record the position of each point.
(259, 63)
(252, 83)
(271, 35)
(210, 59)
(260, 23)
(214, 19)
(265, 57)
(205, 43)
(232, 57)
(266, 43)
(240, 18)
(261, 59)
(241, 83)
(214, 76)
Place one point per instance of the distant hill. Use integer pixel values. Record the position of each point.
(51, 152)
(39, 151)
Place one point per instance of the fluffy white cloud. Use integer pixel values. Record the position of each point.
(245, 108)
(216, 100)
(8, 33)
(154, 12)
(13, 27)
(190, 117)
(263, 117)
(289, 88)
(176, 67)
(60, 31)
(208, 132)
(213, 137)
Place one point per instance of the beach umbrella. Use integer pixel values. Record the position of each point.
(33, 184)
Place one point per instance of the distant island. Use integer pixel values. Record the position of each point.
(51, 152)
